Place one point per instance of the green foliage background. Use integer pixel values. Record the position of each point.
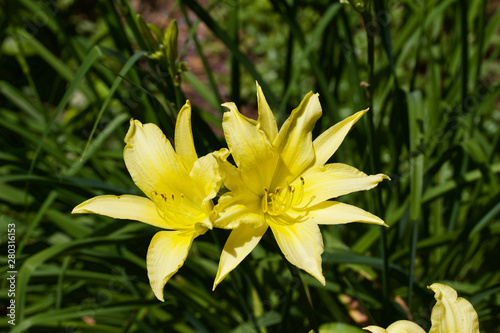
(73, 73)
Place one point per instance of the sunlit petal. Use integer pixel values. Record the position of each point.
(250, 148)
(153, 164)
(130, 207)
(334, 212)
(206, 175)
(266, 120)
(231, 176)
(452, 314)
(166, 254)
(327, 143)
(240, 243)
(184, 144)
(302, 245)
(332, 180)
(235, 209)
(294, 140)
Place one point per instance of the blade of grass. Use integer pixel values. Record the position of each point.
(130, 62)
(415, 118)
(93, 55)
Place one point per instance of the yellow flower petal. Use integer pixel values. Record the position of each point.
(250, 148)
(235, 209)
(130, 207)
(166, 254)
(156, 168)
(301, 243)
(231, 176)
(332, 180)
(401, 326)
(452, 314)
(266, 120)
(184, 144)
(329, 141)
(206, 175)
(334, 212)
(375, 329)
(294, 140)
(240, 243)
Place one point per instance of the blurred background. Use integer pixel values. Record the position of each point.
(72, 74)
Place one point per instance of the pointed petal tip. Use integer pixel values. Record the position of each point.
(216, 283)
(322, 280)
(79, 209)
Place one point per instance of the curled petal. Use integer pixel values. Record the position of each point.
(184, 144)
(231, 176)
(452, 314)
(329, 141)
(130, 207)
(240, 243)
(166, 254)
(332, 180)
(205, 173)
(302, 245)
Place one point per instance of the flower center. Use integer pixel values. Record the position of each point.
(278, 202)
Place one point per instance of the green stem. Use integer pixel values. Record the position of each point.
(373, 146)
(294, 271)
(233, 27)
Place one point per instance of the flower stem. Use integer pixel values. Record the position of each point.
(373, 145)
(294, 271)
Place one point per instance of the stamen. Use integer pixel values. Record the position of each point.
(264, 201)
(173, 210)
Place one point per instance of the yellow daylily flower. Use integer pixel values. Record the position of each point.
(179, 187)
(449, 315)
(281, 181)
